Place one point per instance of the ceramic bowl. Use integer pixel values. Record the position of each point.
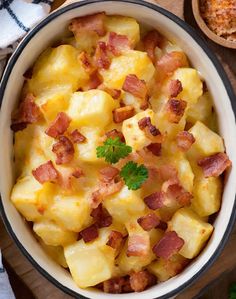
(44, 34)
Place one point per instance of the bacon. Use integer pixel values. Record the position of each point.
(59, 125)
(101, 58)
(135, 86)
(94, 81)
(108, 174)
(118, 43)
(170, 62)
(155, 200)
(114, 134)
(77, 137)
(86, 62)
(139, 281)
(90, 233)
(115, 93)
(45, 173)
(152, 40)
(27, 113)
(185, 140)
(115, 239)
(155, 148)
(169, 245)
(148, 221)
(101, 216)
(28, 73)
(64, 150)
(162, 225)
(89, 24)
(175, 87)
(167, 172)
(123, 113)
(214, 165)
(77, 173)
(114, 285)
(138, 245)
(175, 110)
(146, 123)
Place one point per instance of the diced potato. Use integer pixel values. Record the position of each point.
(191, 83)
(91, 108)
(130, 100)
(56, 253)
(170, 47)
(132, 62)
(85, 41)
(206, 142)
(207, 195)
(192, 229)
(90, 263)
(125, 204)
(134, 136)
(52, 234)
(57, 66)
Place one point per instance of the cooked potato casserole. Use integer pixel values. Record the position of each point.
(117, 156)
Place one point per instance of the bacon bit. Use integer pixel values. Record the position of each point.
(155, 200)
(167, 172)
(214, 165)
(114, 285)
(135, 86)
(148, 221)
(28, 73)
(101, 216)
(64, 150)
(108, 174)
(86, 62)
(77, 173)
(115, 93)
(139, 281)
(155, 148)
(88, 24)
(90, 233)
(115, 239)
(118, 43)
(45, 173)
(138, 245)
(94, 81)
(102, 60)
(27, 113)
(185, 140)
(41, 210)
(169, 245)
(175, 87)
(146, 123)
(59, 125)
(162, 225)
(152, 40)
(170, 62)
(77, 137)
(123, 113)
(175, 109)
(114, 134)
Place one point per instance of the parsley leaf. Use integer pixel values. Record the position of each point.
(134, 175)
(232, 294)
(113, 150)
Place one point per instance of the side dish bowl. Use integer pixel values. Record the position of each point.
(48, 32)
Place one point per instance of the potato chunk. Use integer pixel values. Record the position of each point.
(91, 108)
(56, 253)
(132, 62)
(190, 227)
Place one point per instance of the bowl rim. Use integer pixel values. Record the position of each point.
(194, 34)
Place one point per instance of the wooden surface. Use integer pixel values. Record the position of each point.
(29, 284)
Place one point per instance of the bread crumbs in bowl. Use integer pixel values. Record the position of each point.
(119, 154)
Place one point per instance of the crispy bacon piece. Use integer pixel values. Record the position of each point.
(88, 24)
(155, 200)
(138, 245)
(118, 43)
(77, 173)
(64, 150)
(101, 57)
(185, 140)
(170, 62)
(27, 113)
(169, 245)
(214, 165)
(94, 81)
(115, 93)
(45, 173)
(59, 125)
(90, 233)
(114, 285)
(175, 110)
(86, 61)
(148, 221)
(146, 123)
(101, 216)
(123, 113)
(77, 137)
(155, 148)
(167, 172)
(108, 174)
(152, 40)
(115, 239)
(162, 225)
(135, 86)
(114, 134)
(139, 281)
(175, 88)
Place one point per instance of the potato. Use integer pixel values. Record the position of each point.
(85, 41)
(52, 234)
(130, 100)
(56, 253)
(132, 62)
(91, 108)
(207, 195)
(192, 229)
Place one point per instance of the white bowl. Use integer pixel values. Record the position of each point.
(201, 58)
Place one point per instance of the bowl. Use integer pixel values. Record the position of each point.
(201, 58)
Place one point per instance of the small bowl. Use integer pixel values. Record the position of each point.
(203, 26)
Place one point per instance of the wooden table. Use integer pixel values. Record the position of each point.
(29, 284)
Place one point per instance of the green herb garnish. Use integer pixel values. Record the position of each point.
(134, 175)
(232, 291)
